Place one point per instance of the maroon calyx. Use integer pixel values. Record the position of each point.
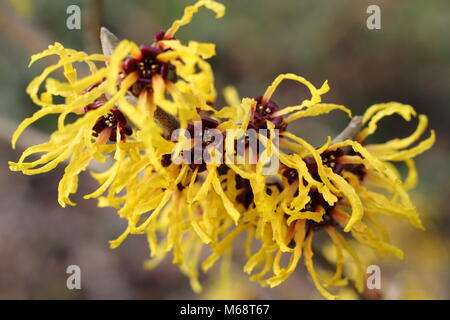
(114, 119)
(245, 196)
(290, 174)
(201, 138)
(159, 35)
(92, 86)
(265, 112)
(317, 201)
(333, 160)
(201, 141)
(146, 66)
(166, 160)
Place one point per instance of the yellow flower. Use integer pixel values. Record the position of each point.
(191, 177)
(84, 139)
(327, 188)
(101, 101)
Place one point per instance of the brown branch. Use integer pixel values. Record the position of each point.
(93, 24)
(351, 131)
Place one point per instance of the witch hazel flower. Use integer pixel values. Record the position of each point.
(194, 178)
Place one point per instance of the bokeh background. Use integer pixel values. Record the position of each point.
(408, 60)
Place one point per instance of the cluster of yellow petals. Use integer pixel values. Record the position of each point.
(278, 220)
(183, 211)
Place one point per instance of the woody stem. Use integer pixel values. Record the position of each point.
(351, 131)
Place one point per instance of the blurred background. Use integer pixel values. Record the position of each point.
(408, 61)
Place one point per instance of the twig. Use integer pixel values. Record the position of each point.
(93, 23)
(351, 131)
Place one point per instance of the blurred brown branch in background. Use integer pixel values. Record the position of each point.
(93, 24)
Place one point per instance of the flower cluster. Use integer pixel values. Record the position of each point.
(137, 113)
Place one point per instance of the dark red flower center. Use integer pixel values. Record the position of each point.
(331, 159)
(114, 119)
(146, 66)
(201, 140)
(265, 112)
